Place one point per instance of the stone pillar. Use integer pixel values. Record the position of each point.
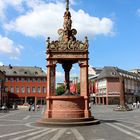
(96, 100)
(67, 68)
(84, 88)
(51, 91)
(76, 84)
(35, 102)
(99, 100)
(51, 68)
(25, 99)
(103, 100)
(107, 100)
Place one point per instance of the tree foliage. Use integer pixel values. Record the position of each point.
(60, 90)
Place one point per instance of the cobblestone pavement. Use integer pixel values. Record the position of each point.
(20, 125)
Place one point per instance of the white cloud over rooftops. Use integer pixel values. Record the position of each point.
(44, 19)
(9, 48)
(1, 64)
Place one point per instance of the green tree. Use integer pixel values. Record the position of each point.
(60, 90)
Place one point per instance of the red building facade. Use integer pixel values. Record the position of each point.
(24, 85)
(107, 86)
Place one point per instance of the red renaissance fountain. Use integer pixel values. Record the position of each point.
(67, 109)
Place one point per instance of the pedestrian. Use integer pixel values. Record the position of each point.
(29, 107)
(33, 107)
(4, 108)
(37, 107)
(134, 105)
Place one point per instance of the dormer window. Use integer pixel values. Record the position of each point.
(36, 73)
(4, 72)
(15, 72)
(113, 73)
(25, 72)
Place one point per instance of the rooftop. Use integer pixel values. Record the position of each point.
(22, 71)
(115, 72)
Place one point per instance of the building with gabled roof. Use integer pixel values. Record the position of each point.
(24, 84)
(108, 86)
(92, 71)
(137, 71)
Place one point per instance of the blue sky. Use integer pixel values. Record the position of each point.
(112, 27)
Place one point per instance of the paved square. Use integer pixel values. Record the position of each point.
(20, 125)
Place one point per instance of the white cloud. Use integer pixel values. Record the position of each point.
(2, 8)
(9, 48)
(1, 64)
(73, 76)
(89, 25)
(59, 74)
(138, 12)
(16, 4)
(44, 19)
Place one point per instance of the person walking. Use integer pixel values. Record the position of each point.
(29, 107)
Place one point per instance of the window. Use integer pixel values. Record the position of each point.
(33, 89)
(12, 79)
(14, 72)
(36, 73)
(28, 79)
(102, 83)
(44, 79)
(38, 80)
(4, 72)
(17, 89)
(39, 90)
(17, 79)
(6, 89)
(25, 72)
(33, 79)
(28, 89)
(22, 79)
(22, 89)
(44, 89)
(6, 79)
(12, 89)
